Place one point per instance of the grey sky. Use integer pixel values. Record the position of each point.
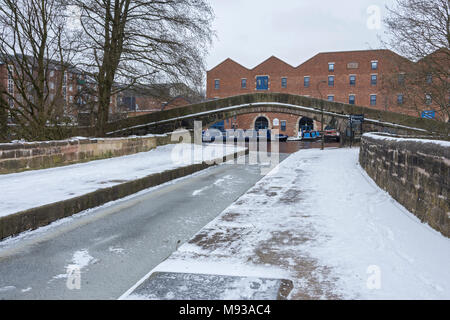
(249, 31)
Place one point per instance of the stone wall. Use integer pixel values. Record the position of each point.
(415, 172)
(16, 157)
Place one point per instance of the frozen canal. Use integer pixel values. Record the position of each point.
(114, 246)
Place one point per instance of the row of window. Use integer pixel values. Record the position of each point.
(307, 81)
(331, 80)
(352, 99)
(352, 80)
(428, 78)
(51, 85)
(373, 99)
(373, 65)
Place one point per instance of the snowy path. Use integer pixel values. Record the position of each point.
(320, 221)
(25, 190)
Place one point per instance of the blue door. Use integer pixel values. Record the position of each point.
(262, 83)
(428, 114)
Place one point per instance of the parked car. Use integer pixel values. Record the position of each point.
(331, 134)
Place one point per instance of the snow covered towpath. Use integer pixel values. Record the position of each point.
(30, 189)
(321, 222)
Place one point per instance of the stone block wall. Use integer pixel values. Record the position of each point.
(16, 157)
(415, 172)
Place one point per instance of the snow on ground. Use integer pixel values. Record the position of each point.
(25, 190)
(321, 222)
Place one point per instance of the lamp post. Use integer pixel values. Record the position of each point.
(321, 112)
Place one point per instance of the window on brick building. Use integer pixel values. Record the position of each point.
(306, 82)
(428, 99)
(351, 99)
(373, 79)
(429, 78)
(330, 97)
(400, 99)
(401, 79)
(373, 99)
(352, 80)
(374, 65)
(284, 82)
(331, 81)
(283, 125)
(243, 83)
(330, 66)
(10, 80)
(217, 84)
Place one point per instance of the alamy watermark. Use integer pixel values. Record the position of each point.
(73, 281)
(213, 146)
(374, 277)
(374, 17)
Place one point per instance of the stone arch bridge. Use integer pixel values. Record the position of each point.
(213, 111)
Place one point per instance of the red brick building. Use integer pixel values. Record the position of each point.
(73, 94)
(354, 77)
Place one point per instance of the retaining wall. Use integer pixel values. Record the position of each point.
(415, 172)
(16, 157)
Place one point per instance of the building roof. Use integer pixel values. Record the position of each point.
(274, 58)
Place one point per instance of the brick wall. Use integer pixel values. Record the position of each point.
(247, 121)
(176, 103)
(346, 64)
(356, 63)
(415, 173)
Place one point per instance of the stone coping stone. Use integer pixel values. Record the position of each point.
(192, 286)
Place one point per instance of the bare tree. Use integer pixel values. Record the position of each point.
(420, 31)
(137, 42)
(33, 44)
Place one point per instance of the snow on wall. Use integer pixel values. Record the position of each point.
(413, 171)
(22, 155)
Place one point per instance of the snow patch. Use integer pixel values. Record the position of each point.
(199, 191)
(80, 260)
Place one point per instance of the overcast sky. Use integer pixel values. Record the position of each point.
(250, 31)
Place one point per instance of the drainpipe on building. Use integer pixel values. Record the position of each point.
(321, 112)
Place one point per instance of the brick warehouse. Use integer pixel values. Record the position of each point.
(354, 77)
